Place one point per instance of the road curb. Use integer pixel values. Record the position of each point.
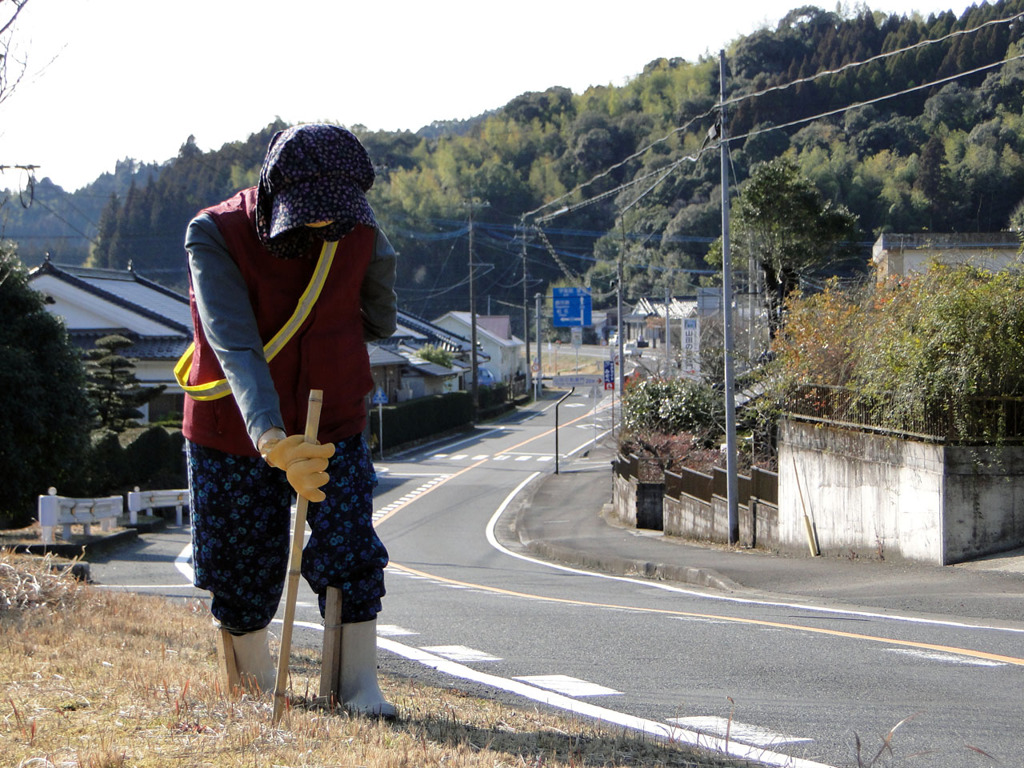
(623, 566)
(606, 562)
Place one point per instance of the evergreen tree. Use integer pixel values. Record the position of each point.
(113, 389)
(782, 220)
(44, 422)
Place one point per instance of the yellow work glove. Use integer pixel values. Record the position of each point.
(304, 463)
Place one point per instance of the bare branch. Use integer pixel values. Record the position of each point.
(18, 5)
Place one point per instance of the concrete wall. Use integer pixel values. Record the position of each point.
(699, 518)
(872, 494)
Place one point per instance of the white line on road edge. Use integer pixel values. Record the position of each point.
(134, 587)
(492, 523)
(601, 714)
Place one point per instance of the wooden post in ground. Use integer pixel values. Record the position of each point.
(330, 664)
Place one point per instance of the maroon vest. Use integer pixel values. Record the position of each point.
(326, 353)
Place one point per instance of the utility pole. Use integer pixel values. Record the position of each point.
(668, 327)
(472, 319)
(526, 318)
(618, 308)
(540, 367)
(732, 483)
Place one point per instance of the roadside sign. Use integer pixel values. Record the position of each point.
(571, 306)
(577, 336)
(609, 374)
(576, 380)
(380, 397)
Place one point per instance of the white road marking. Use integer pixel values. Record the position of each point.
(753, 735)
(134, 587)
(947, 658)
(609, 716)
(570, 686)
(183, 562)
(458, 457)
(481, 457)
(493, 541)
(411, 496)
(393, 630)
(459, 653)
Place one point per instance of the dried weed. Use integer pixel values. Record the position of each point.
(95, 679)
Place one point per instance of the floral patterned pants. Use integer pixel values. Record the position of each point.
(241, 518)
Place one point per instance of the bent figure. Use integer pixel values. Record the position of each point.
(288, 280)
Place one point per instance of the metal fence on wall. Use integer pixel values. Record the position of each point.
(972, 420)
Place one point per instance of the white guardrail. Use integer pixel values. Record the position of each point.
(62, 511)
(57, 510)
(147, 501)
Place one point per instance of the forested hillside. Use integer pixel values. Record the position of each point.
(908, 134)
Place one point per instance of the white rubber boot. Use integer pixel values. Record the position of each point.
(359, 690)
(256, 669)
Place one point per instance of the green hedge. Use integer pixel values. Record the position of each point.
(154, 459)
(421, 418)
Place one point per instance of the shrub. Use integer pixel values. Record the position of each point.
(671, 406)
(914, 354)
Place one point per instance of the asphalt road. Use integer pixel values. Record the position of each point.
(790, 684)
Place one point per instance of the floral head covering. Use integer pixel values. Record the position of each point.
(312, 173)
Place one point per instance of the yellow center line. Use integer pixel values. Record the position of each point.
(399, 507)
(754, 622)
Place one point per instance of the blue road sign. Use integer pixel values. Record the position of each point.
(572, 306)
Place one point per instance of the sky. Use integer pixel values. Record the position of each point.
(107, 80)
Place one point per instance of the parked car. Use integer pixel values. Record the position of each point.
(484, 378)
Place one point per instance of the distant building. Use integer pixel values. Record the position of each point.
(500, 353)
(101, 302)
(897, 255)
(94, 303)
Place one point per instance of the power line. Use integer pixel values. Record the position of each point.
(865, 62)
(757, 94)
(886, 97)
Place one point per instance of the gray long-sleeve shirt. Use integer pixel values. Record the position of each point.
(229, 322)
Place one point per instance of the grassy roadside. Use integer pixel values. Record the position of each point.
(95, 679)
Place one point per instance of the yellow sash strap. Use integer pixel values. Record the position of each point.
(214, 390)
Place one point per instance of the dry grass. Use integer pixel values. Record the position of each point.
(94, 679)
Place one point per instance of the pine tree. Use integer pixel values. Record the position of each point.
(114, 391)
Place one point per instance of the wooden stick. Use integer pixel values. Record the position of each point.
(812, 537)
(316, 397)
